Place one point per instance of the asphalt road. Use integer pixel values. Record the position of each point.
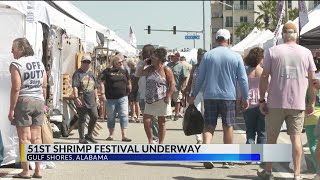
(160, 170)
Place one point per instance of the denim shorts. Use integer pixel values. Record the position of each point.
(29, 111)
(225, 108)
(119, 106)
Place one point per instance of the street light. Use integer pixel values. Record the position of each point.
(232, 6)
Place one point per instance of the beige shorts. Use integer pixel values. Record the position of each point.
(177, 96)
(158, 108)
(29, 111)
(294, 120)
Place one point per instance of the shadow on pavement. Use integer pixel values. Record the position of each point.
(64, 143)
(244, 177)
(253, 177)
(167, 165)
(190, 178)
(170, 129)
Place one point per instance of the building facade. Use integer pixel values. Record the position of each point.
(223, 12)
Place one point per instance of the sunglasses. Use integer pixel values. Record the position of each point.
(86, 62)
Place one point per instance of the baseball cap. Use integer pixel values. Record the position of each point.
(201, 51)
(289, 27)
(176, 53)
(86, 58)
(223, 33)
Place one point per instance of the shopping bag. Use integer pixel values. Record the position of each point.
(193, 121)
(46, 132)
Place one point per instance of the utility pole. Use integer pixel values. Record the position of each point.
(194, 42)
(233, 31)
(203, 26)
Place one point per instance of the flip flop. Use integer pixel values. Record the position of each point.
(21, 176)
(36, 176)
(109, 138)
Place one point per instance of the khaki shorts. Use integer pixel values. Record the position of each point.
(177, 96)
(29, 111)
(294, 120)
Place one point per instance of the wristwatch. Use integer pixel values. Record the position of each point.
(262, 101)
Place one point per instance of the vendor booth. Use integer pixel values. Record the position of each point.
(60, 39)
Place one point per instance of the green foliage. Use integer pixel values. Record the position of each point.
(243, 30)
(267, 18)
(293, 14)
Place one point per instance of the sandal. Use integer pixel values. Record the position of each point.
(126, 139)
(137, 120)
(21, 176)
(109, 138)
(36, 176)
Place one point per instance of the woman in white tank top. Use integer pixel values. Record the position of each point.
(28, 92)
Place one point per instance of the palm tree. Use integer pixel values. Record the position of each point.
(243, 30)
(293, 14)
(267, 18)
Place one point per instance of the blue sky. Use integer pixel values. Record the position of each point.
(118, 15)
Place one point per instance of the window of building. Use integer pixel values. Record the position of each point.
(229, 21)
(289, 4)
(229, 3)
(243, 4)
(243, 19)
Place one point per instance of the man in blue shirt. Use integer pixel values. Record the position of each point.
(219, 72)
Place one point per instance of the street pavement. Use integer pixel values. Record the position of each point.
(160, 170)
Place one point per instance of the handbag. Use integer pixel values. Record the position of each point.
(46, 132)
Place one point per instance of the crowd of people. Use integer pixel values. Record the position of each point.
(267, 87)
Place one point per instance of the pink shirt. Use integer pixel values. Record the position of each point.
(289, 65)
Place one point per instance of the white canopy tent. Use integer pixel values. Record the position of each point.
(117, 44)
(243, 44)
(13, 14)
(314, 22)
(265, 39)
(258, 41)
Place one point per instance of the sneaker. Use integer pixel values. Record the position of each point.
(227, 165)
(83, 141)
(91, 139)
(156, 141)
(208, 165)
(176, 118)
(199, 142)
(265, 175)
(317, 177)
